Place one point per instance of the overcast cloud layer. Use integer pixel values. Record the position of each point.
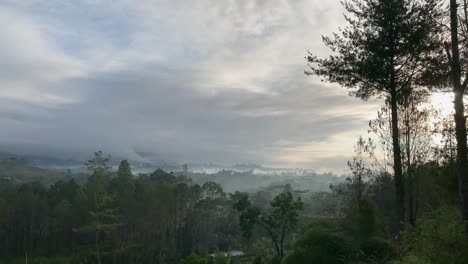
(185, 81)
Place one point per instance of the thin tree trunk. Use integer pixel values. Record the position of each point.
(409, 171)
(282, 244)
(98, 253)
(412, 217)
(460, 120)
(278, 252)
(462, 159)
(399, 182)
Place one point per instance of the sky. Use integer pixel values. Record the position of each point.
(206, 81)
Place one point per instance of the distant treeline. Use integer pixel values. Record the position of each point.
(153, 218)
(116, 217)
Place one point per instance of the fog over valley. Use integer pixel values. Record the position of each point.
(234, 132)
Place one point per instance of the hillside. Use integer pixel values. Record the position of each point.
(20, 171)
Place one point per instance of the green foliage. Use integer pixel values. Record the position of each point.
(285, 211)
(124, 169)
(155, 218)
(366, 223)
(275, 260)
(249, 217)
(163, 218)
(122, 188)
(327, 241)
(63, 211)
(123, 185)
(222, 258)
(376, 249)
(212, 190)
(438, 238)
(370, 51)
(282, 217)
(261, 248)
(258, 260)
(320, 244)
(383, 51)
(194, 259)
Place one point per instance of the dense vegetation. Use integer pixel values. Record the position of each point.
(118, 217)
(156, 218)
(405, 200)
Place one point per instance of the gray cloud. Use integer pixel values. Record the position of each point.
(209, 81)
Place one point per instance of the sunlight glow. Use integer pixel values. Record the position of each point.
(443, 103)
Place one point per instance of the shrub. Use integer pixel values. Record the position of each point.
(320, 246)
(438, 237)
(221, 258)
(258, 260)
(194, 259)
(376, 249)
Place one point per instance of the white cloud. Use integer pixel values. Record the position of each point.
(191, 81)
(31, 63)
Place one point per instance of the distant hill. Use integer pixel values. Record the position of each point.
(241, 177)
(250, 181)
(20, 170)
(41, 161)
(312, 183)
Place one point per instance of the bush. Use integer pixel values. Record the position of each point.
(320, 246)
(220, 258)
(275, 260)
(438, 237)
(363, 221)
(194, 259)
(258, 260)
(376, 249)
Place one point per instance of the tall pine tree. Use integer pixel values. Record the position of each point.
(382, 52)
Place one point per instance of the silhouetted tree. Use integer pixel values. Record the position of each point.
(416, 133)
(277, 223)
(102, 215)
(456, 59)
(382, 52)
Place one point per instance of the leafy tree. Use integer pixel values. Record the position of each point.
(212, 190)
(416, 132)
(103, 216)
(124, 170)
(446, 151)
(320, 244)
(277, 223)
(123, 186)
(155, 218)
(249, 216)
(382, 52)
(283, 218)
(457, 59)
(361, 174)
